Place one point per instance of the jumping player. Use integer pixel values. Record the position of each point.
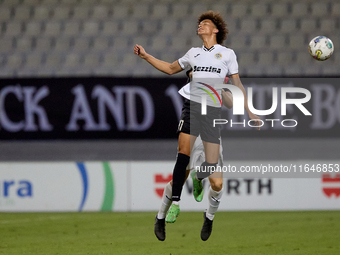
(196, 158)
(213, 62)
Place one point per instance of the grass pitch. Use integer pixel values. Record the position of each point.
(132, 233)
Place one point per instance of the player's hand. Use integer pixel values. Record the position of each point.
(256, 119)
(139, 50)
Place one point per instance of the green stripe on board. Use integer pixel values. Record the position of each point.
(109, 189)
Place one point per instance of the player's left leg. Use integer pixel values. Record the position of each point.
(196, 159)
(211, 137)
(212, 146)
(197, 186)
(214, 197)
(211, 150)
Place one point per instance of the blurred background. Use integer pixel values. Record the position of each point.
(72, 90)
(54, 38)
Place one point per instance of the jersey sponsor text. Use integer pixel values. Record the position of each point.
(207, 69)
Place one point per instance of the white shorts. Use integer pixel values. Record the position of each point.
(197, 156)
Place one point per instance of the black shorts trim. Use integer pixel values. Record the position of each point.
(192, 122)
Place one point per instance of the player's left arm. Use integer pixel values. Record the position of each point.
(236, 81)
(227, 99)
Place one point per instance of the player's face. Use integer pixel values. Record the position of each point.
(206, 27)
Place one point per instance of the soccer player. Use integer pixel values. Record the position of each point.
(213, 62)
(197, 157)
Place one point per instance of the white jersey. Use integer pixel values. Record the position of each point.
(210, 67)
(185, 91)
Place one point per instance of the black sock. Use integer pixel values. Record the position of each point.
(206, 170)
(178, 176)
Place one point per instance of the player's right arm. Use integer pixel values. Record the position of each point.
(162, 66)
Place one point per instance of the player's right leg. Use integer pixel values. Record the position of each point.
(186, 139)
(178, 176)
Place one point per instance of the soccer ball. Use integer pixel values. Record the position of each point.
(321, 48)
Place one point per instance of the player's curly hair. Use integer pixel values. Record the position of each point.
(220, 24)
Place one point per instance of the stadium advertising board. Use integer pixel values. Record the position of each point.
(138, 186)
(62, 186)
(149, 108)
(240, 193)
